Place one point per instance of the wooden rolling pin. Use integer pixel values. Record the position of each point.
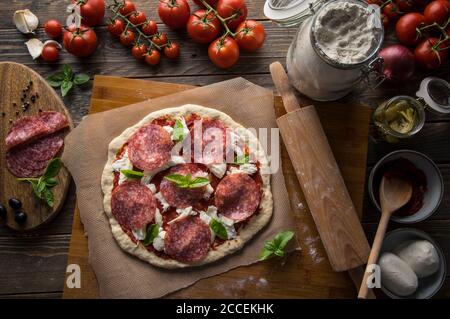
(322, 183)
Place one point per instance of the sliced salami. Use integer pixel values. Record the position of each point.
(213, 141)
(55, 121)
(31, 159)
(188, 239)
(237, 196)
(149, 147)
(133, 205)
(182, 197)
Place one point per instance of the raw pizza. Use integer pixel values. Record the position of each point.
(186, 186)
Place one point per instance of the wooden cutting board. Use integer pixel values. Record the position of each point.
(14, 79)
(306, 274)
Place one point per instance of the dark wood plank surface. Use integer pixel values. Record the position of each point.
(33, 265)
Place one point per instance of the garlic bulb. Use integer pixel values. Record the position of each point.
(35, 46)
(25, 21)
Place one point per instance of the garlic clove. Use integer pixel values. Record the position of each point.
(25, 21)
(35, 47)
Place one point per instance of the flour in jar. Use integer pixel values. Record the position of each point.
(346, 32)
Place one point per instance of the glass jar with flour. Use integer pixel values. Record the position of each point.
(335, 48)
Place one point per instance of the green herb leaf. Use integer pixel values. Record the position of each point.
(35, 187)
(56, 79)
(277, 245)
(152, 232)
(178, 131)
(53, 168)
(51, 182)
(186, 181)
(129, 173)
(81, 78)
(242, 159)
(68, 73)
(219, 229)
(66, 86)
(48, 196)
(199, 182)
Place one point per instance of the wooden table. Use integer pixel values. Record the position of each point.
(33, 265)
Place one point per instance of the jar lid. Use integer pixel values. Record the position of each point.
(290, 12)
(436, 94)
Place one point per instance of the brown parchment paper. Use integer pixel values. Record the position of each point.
(121, 275)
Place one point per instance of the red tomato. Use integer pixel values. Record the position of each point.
(153, 57)
(405, 5)
(210, 2)
(92, 11)
(203, 28)
(116, 27)
(150, 27)
(406, 28)
(172, 50)
(428, 56)
(437, 11)
(138, 51)
(127, 8)
(174, 13)
(127, 38)
(50, 53)
(385, 21)
(377, 2)
(53, 28)
(160, 39)
(81, 41)
(250, 35)
(391, 11)
(137, 18)
(224, 53)
(228, 8)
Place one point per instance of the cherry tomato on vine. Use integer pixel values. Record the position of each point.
(127, 8)
(406, 28)
(138, 51)
(250, 35)
(174, 13)
(405, 5)
(203, 28)
(116, 27)
(392, 11)
(172, 50)
(50, 53)
(127, 38)
(150, 27)
(92, 11)
(229, 8)
(53, 28)
(153, 57)
(81, 41)
(160, 39)
(428, 56)
(210, 2)
(137, 17)
(436, 11)
(224, 53)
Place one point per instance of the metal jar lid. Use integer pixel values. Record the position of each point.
(436, 94)
(290, 12)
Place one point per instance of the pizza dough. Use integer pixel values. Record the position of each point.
(421, 256)
(185, 238)
(397, 276)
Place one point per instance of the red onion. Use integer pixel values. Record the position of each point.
(398, 63)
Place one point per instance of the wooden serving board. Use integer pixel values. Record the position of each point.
(305, 274)
(13, 79)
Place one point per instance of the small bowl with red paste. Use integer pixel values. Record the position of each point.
(424, 176)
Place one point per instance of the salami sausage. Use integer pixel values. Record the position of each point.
(149, 147)
(188, 239)
(30, 160)
(133, 205)
(237, 196)
(182, 197)
(212, 142)
(55, 121)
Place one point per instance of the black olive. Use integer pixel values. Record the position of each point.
(15, 203)
(3, 211)
(20, 217)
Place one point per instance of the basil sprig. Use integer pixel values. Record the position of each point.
(178, 131)
(187, 181)
(219, 229)
(242, 159)
(66, 79)
(277, 245)
(152, 233)
(129, 173)
(42, 186)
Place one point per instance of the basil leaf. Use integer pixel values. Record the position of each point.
(265, 254)
(277, 245)
(129, 173)
(279, 253)
(199, 182)
(178, 131)
(66, 86)
(152, 232)
(283, 238)
(218, 229)
(41, 185)
(56, 79)
(51, 182)
(242, 159)
(81, 78)
(68, 73)
(34, 186)
(52, 168)
(269, 245)
(48, 196)
(179, 180)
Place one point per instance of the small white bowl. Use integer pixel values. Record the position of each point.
(428, 286)
(435, 184)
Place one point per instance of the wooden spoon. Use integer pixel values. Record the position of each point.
(394, 193)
